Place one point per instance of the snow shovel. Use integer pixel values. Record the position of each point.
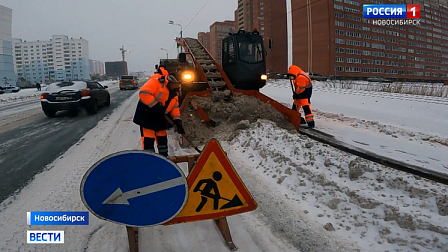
(232, 203)
(302, 120)
(180, 137)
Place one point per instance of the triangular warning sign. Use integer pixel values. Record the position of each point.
(215, 189)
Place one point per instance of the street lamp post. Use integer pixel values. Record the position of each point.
(163, 49)
(171, 22)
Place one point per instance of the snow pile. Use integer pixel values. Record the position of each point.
(380, 208)
(22, 95)
(426, 89)
(229, 112)
(415, 113)
(411, 88)
(377, 127)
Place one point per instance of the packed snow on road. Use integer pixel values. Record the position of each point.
(311, 197)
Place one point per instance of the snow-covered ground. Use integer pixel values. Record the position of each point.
(409, 128)
(57, 189)
(32, 94)
(311, 197)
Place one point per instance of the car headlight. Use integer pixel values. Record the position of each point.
(264, 77)
(188, 76)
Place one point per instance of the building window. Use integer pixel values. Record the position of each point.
(338, 23)
(339, 41)
(339, 69)
(366, 70)
(365, 61)
(366, 53)
(338, 7)
(353, 42)
(378, 46)
(339, 59)
(338, 15)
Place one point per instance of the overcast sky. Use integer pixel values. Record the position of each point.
(140, 25)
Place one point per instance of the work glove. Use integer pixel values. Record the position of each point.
(180, 128)
(159, 109)
(311, 124)
(296, 96)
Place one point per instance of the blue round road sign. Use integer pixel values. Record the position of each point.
(134, 188)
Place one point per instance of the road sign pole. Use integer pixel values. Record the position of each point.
(132, 238)
(220, 223)
(223, 227)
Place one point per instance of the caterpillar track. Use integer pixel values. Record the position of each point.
(217, 80)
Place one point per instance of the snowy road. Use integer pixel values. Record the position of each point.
(29, 140)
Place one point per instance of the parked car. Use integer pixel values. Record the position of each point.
(128, 82)
(10, 89)
(378, 79)
(74, 95)
(317, 77)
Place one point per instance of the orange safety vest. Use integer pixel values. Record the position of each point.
(153, 91)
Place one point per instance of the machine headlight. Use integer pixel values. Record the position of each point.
(264, 77)
(188, 76)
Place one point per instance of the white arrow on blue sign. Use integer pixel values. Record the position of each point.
(135, 188)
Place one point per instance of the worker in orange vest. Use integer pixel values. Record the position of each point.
(157, 100)
(302, 94)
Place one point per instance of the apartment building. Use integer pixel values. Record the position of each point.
(218, 31)
(59, 59)
(98, 67)
(7, 75)
(270, 18)
(204, 38)
(333, 38)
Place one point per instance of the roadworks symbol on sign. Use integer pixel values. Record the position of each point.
(214, 188)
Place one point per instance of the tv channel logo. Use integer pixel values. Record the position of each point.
(44, 237)
(57, 218)
(391, 11)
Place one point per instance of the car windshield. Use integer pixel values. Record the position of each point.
(60, 86)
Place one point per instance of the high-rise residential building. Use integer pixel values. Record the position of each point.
(218, 31)
(204, 38)
(333, 38)
(270, 18)
(98, 67)
(236, 20)
(8, 77)
(59, 59)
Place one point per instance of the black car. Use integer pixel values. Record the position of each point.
(73, 95)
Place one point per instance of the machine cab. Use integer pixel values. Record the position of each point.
(244, 60)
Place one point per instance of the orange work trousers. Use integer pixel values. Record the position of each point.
(306, 105)
(149, 137)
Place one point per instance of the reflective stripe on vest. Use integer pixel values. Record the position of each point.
(156, 100)
(310, 84)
